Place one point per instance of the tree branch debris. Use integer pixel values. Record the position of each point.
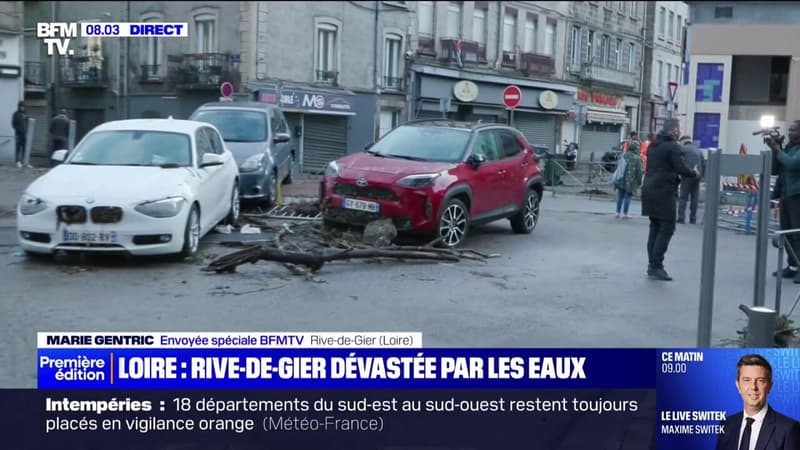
(304, 247)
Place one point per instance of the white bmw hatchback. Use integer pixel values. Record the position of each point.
(142, 186)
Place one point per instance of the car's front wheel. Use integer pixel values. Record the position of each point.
(453, 223)
(233, 212)
(525, 220)
(191, 235)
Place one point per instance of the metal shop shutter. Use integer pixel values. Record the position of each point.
(324, 140)
(539, 129)
(598, 138)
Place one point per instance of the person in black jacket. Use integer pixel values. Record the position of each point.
(19, 121)
(665, 166)
(59, 130)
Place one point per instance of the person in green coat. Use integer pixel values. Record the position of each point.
(630, 181)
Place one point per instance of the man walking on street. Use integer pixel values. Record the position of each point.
(660, 194)
(690, 187)
(59, 130)
(19, 121)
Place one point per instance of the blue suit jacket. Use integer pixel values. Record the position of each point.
(778, 432)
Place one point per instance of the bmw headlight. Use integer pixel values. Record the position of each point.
(332, 170)
(168, 207)
(29, 204)
(421, 180)
(252, 163)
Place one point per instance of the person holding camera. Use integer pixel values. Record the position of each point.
(788, 169)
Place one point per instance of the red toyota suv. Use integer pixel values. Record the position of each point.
(437, 177)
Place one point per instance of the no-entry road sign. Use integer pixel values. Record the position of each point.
(512, 96)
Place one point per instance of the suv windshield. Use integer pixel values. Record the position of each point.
(424, 143)
(133, 148)
(236, 125)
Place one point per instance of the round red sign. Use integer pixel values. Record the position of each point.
(512, 96)
(226, 89)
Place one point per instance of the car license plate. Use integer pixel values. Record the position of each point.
(361, 205)
(98, 237)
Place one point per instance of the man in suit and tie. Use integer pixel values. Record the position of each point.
(758, 427)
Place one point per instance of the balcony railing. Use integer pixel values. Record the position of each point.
(535, 64)
(471, 52)
(83, 71)
(151, 73)
(393, 83)
(426, 46)
(510, 59)
(202, 71)
(596, 72)
(35, 75)
(327, 76)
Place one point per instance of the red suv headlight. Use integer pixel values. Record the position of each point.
(417, 181)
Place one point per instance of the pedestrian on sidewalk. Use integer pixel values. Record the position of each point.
(690, 187)
(19, 121)
(59, 131)
(665, 166)
(788, 160)
(631, 179)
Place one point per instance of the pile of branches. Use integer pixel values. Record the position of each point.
(307, 247)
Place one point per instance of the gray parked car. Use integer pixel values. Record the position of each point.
(258, 136)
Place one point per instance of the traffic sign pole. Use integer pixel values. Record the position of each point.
(512, 97)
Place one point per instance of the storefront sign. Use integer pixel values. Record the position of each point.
(302, 99)
(466, 91)
(599, 99)
(548, 100)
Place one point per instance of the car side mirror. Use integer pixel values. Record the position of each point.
(475, 160)
(211, 159)
(59, 155)
(281, 137)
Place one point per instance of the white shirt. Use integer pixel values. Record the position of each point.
(755, 428)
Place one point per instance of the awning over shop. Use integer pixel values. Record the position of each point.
(607, 115)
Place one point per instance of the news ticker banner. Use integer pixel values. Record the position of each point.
(58, 35)
(682, 396)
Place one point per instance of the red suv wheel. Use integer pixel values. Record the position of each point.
(453, 223)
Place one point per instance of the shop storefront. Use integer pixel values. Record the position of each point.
(320, 120)
(479, 97)
(605, 124)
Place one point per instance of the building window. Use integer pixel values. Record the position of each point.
(454, 20)
(659, 88)
(392, 52)
(605, 50)
(152, 68)
(479, 26)
(671, 28)
(709, 82)
(618, 55)
(621, 7)
(662, 17)
(723, 12)
(327, 63)
(425, 18)
(590, 47)
(634, 9)
(679, 30)
(550, 37)
(575, 50)
(204, 33)
(759, 80)
(632, 58)
(509, 32)
(530, 34)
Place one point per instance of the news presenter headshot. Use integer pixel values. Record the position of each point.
(758, 427)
